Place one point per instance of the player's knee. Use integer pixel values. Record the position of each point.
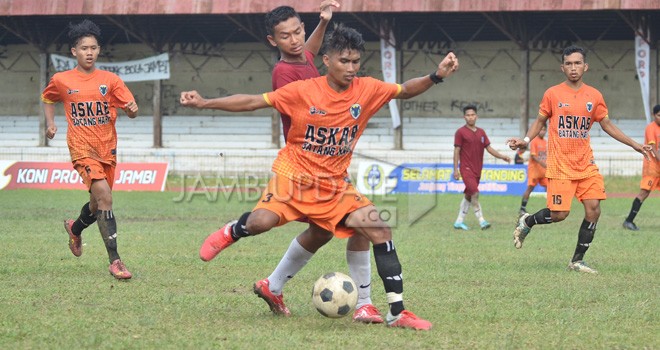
(379, 235)
(258, 223)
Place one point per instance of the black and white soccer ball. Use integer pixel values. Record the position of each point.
(334, 295)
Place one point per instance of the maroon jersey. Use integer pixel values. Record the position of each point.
(286, 72)
(472, 144)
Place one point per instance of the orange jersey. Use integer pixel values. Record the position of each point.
(539, 148)
(90, 102)
(570, 115)
(325, 126)
(652, 137)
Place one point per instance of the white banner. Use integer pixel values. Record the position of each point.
(642, 61)
(150, 68)
(388, 63)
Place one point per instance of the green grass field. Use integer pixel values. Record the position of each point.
(479, 292)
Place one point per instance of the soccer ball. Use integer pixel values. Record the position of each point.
(334, 295)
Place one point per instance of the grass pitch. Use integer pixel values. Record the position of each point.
(476, 288)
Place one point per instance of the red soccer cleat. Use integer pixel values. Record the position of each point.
(275, 302)
(75, 242)
(367, 314)
(119, 271)
(407, 319)
(216, 242)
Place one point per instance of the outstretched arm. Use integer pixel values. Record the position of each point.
(315, 40)
(617, 134)
(498, 155)
(534, 130)
(233, 103)
(416, 86)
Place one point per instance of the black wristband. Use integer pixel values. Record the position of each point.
(435, 78)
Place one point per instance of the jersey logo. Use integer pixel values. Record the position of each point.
(103, 89)
(71, 92)
(563, 104)
(355, 110)
(313, 110)
(590, 106)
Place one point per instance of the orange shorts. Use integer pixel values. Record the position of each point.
(650, 183)
(291, 200)
(561, 192)
(91, 169)
(534, 178)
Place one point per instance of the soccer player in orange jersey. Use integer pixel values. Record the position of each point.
(570, 109)
(286, 31)
(328, 116)
(538, 152)
(650, 170)
(90, 97)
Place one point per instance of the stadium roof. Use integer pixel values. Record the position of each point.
(163, 23)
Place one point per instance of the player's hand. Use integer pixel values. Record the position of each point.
(447, 66)
(646, 151)
(515, 143)
(326, 9)
(457, 174)
(507, 159)
(191, 99)
(51, 131)
(131, 107)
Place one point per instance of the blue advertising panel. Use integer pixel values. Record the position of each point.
(439, 178)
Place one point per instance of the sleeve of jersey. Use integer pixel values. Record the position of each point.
(545, 108)
(649, 137)
(533, 148)
(458, 140)
(600, 109)
(382, 92)
(122, 95)
(284, 99)
(51, 93)
(486, 140)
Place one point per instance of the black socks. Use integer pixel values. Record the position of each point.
(108, 228)
(239, 229)
(586, 235)
(85, 219)
(541, 217)
(634, 210)
(389, 270)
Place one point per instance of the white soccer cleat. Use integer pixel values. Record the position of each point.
(521, 231)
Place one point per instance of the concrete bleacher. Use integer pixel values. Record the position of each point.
(200, 139)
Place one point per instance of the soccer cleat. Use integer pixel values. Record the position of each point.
(629, 225)
(217, 242)
(367, 314)
(275, 302)
(485, 225)
(521, 231)
(581, 266)
(407, 319)
(75, 242)
(460, 226)
(119, 271)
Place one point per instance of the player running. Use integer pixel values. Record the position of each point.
(90, 97)
(570, 109)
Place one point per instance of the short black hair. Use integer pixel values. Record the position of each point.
(468, 107)
(656, 109)
(571, 50)
(277, 15)
(81, 30)
(343, 38)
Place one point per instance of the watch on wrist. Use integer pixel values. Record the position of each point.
(526, 139)
(435, 78)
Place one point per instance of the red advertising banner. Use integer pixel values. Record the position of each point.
(50, 175)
